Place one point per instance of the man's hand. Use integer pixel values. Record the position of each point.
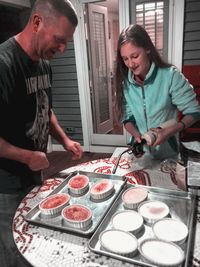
(57, 132)
(37, 161)
(75, 148)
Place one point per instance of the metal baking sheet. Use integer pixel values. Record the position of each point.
(182, 206)
(99, 209)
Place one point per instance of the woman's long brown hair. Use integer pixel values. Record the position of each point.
(138, 36)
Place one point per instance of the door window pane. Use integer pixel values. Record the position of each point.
(154, 17)
(102, 20)
(101, 67)
(150, 16)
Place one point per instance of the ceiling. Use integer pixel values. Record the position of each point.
(112, 5)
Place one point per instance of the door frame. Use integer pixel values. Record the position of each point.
(175, 46)
(96, 87)
(83, 80)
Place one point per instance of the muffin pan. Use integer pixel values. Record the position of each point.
(127, 244)
(174, 206)
(128, 220)
(177, 231)
(153, 210)
(161, 253)
(78, 184)
(98, 209)
(53, 204)
(77, 215)
(101, 190)
(133, 196)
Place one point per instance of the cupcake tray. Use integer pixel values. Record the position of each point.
(99, 208)
(182, 207)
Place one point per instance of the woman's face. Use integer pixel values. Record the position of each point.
(136, 59)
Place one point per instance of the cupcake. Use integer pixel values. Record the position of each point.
(101, 190)
(54, 204)
(161, 253)
(132, 197)
(78, 184)
(177, 231)
(128, 220)
(153, 210)
(76, 215)
(118, 241)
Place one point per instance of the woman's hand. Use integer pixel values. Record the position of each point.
(162, 135)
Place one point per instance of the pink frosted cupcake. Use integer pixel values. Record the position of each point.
(77, 215)
(133, 196)
(161, 253)
(127, 220)
(153, 210)
(101, 189)
(54, 204)
(78, 184)
(118, 241)
(177, 231)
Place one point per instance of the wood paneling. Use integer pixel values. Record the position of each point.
(66, 103)
(191, 48)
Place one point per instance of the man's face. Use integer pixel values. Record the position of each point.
(52, 37)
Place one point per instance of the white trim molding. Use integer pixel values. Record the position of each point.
(176, 30)
(82, 70)
(124, 18)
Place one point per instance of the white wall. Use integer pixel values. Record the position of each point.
(16, 3)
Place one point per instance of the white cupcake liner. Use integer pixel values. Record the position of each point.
(153, 210)
(161, 253)
(77, 223)
(136, 203)
(119, 242)
(81, 190)
(58, 208)
(177, 231)
(102, 195)
(128, 220)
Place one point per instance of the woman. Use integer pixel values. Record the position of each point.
(150, 92)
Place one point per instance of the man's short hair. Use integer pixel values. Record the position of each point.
(63, 7)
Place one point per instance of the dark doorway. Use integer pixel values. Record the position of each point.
(12, 21)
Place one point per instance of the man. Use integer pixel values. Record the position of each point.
(26, 115)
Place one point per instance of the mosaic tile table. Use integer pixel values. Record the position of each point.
(44, 247)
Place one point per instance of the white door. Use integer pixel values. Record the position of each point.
(101, 26)
(100, 78)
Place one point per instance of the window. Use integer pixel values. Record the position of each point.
(153, 16)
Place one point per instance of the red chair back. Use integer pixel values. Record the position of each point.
(192, 73)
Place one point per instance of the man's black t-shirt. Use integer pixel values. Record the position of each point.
(25, 102)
